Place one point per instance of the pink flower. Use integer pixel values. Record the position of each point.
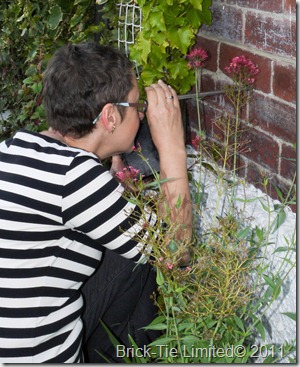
(196, 58)
(242, 70)
(128, 174)
(136, 149)
(196, 142)
(170, 266)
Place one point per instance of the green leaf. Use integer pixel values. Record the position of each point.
(181, 38)
(55, 17)
(284, 249)
(261, 329)
(178, 203)
(265, 207)
(291, 315)
(239, 322)
(279, 220)
(156, 19)
(269, 281)
(113, 339)
(159, 277)
(37, 87)
(197, 4)
(143, 50)
(157, 327)
(172, 245)
(190, 340)
(243, 233)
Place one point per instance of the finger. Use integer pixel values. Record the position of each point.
(151, 94)
(173, 93)
(160, 89)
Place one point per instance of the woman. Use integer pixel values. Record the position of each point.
(61, 210)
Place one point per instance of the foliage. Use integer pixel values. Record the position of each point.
(168, 30)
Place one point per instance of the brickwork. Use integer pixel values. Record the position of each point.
(265, 32)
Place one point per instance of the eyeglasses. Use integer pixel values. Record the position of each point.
(141, 106)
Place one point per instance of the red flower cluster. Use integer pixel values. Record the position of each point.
(242, 70)
(128, 174)
(196, 58)
(196, 142)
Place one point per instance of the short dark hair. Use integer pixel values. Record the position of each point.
(79, 80)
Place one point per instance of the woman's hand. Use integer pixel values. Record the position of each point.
(164, 118)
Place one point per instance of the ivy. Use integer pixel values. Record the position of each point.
(169, 29)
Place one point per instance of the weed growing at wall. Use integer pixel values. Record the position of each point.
(212, 310)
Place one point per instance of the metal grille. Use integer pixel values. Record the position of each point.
(129, 25)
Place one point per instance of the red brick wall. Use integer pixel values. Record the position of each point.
(265, 32)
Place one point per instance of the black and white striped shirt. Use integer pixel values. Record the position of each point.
(58, 207)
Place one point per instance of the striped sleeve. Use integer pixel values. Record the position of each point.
(93, 204)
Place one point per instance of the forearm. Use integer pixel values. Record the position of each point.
(176, 192)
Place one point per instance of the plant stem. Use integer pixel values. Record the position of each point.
(198, 91)
(237, 107)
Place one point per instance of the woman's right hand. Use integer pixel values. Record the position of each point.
(164, 118)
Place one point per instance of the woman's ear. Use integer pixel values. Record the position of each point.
(109, 117)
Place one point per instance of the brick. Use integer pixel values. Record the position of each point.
(290, 6)
(263, 79)
(276, 117)
(211, 47)
(288, 162)
(274, 6)
(227, 23)
(262, 149)
(208, 82)
(284, 82)
(275, 35)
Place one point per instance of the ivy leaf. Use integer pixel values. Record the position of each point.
(55, 17)
(178, 68)
(182, 38)
(206, 15)
(143, 50)
(197, 4)
(157, 21)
